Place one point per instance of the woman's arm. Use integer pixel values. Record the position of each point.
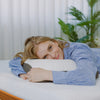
(39, 75)
(34, 75)
(86, 68)
(16, 67)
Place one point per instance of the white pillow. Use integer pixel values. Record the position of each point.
(52, 64)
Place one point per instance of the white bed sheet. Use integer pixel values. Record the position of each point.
(44, 91)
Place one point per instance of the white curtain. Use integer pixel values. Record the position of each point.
(20, 19)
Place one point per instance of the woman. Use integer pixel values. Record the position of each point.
(47, 48)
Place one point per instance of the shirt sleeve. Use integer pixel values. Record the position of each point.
(16, 67)
(86, 68)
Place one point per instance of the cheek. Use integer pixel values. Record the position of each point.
(49, 57)
(56, 48)
(38, 54)
(60, 51)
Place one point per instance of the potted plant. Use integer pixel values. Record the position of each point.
(69, 30)
(89, 23)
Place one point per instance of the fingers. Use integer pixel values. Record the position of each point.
(34, 75)
(30, 77)
(27, 76)
(23, 76)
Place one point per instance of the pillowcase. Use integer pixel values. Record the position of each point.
(50, 64)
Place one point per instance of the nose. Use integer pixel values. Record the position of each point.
(52, 55)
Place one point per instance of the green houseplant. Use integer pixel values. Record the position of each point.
(69, 30)
(89, 23)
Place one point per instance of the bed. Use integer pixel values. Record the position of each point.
(44, 91)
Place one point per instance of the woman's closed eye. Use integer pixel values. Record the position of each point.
(45, 57)
(50, 47)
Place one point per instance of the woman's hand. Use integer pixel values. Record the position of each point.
(39, 75)
(23, 76)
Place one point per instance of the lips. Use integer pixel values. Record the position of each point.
(57, 57)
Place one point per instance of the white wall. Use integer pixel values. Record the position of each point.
(20, 19)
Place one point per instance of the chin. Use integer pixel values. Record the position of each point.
(61, 58)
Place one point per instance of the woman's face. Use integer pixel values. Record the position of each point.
(49, 50)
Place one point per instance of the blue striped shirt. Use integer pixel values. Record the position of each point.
(86, 60)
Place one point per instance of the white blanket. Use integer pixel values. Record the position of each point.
(44, 91)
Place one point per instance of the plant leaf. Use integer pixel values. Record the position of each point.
(84, 39)
(91, 3)
(76, 13)
(68, 29)
(96, 15)
(73, 36)
(84, 23)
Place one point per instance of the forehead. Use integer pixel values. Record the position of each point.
(42, 48)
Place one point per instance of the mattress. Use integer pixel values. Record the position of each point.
(44, 91)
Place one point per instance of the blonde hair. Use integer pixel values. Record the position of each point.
(30, 47)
